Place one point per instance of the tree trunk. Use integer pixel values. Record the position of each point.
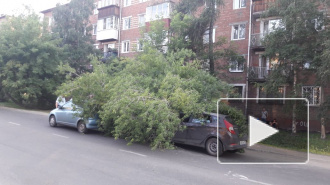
(294, 107)
(323, 135)
(211, 58)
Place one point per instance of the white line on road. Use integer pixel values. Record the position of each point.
(133, 153)
(242, 177)
(60, 136)
(17, 124)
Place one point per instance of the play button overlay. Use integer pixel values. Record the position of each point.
(259, 131)
(281, 139)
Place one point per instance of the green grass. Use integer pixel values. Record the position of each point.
(13, 105)
(10, 104)
(318, 145)
(298, 142)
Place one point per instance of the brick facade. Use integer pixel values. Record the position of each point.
(233, 16)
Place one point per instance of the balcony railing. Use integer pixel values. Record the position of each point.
(108, 34)
(258, 73)
(256, 40)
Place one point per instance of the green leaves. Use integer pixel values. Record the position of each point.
(73, 27)
(141, 99)
(29, 59)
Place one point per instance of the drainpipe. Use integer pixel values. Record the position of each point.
(248, 60)
(119, 26)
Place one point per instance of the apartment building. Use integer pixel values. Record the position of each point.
(117, 26)
(260, 67)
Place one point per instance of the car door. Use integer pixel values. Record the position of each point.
(198, 129)
(72, 114)
(61, 114)
(180, 136)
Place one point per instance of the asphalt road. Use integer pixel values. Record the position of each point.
(32, 152)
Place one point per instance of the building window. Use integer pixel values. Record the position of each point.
(318, 24)
(239, 4)
(206, 36)
(142, 20)
(141, 1)
(96, 46)
(108, 23)
(279, 94)
(238, 32)
(139, 45)
(126, 23)
(236, 66)
(312, 93)
(127, 3)
(104, 3)
(94, 29)
(95, 11)
(125, 47)
(207, 4)
(50, 21)
(158, 11)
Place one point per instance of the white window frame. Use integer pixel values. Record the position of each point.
(125, 46)
(95, 11)
(141, 24)
(127, 25)
(50, 21)
(94, 31)
(96, 46)
(237, 4)
(127, 3)
(141, 1)
(206, 36)
(239, 27)
(237, 70)
(313, 95)
(155, 13)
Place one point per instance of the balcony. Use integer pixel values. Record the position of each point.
(259, 7)
(256, 40)
(105, 3)
(107, 35)
(257, 73)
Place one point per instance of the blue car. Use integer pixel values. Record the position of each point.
(66, 115)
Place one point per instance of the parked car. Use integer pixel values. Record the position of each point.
(202, 132)
(66, 115)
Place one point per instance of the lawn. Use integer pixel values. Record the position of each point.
(13, 105)
(298, 142)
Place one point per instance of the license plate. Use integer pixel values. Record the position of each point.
(242, 143)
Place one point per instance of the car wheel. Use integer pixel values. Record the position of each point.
(211, 146)
(81, 127)
(52, 121)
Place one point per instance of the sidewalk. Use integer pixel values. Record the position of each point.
(322, 161)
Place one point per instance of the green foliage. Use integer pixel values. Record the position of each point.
(72, 25)
(141, 100)
(190, 22)
(29, 59)
(300, 39)
(237, 115)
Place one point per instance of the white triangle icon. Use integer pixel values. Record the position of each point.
(259, 131)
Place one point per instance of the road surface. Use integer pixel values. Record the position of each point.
(32, 152)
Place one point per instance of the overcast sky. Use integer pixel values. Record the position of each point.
(10, 7)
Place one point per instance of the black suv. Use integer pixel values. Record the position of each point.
(202, 132)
